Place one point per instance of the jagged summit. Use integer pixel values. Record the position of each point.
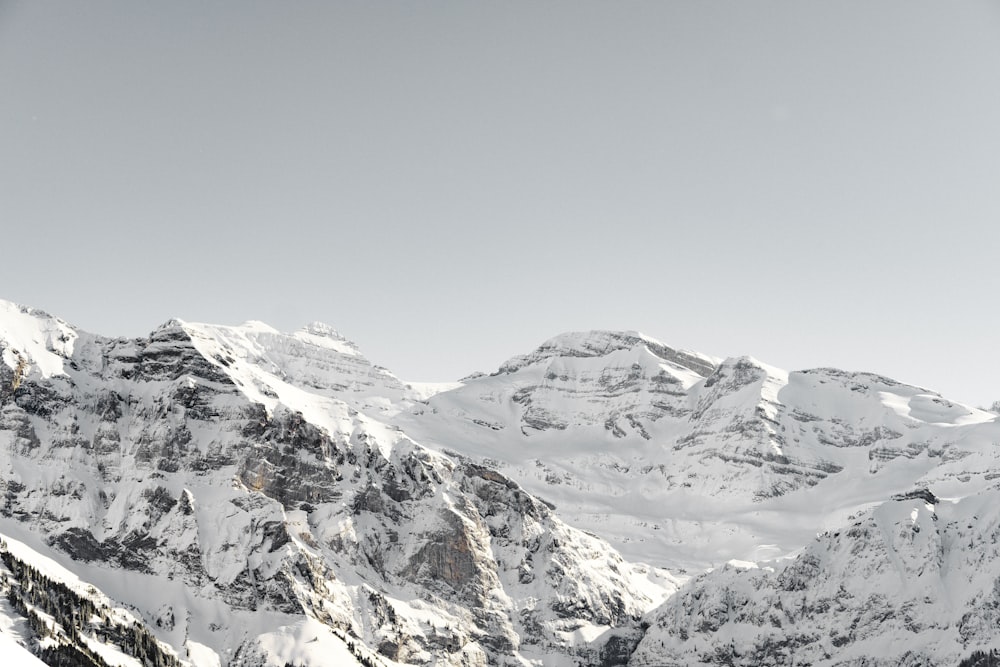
(7, 307)
(603, 426)
(323, 329)
(260, 497)
(172, 323)
(272, 367)
(33, 341)
(585, 344)
(326, 335)
(248, 491)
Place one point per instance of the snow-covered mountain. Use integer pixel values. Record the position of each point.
(256, 497)
(915, 581)
(682, 460)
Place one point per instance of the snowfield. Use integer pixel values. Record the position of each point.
(233, 495)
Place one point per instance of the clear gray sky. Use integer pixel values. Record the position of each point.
(450, 183)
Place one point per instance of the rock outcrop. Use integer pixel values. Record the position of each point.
(264, 498)
(257, 474)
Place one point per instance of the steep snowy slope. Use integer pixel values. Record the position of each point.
(683, 460)
(247, 477)
(13, 639)
(47, 610)
(315, 362)
(914, 581)
(262, 498)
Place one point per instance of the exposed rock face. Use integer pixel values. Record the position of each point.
(621, 381)
(609, 426)
(592, 344)
(284, 497)
(909, 583)
(256, 471)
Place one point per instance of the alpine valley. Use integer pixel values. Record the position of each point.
(214, 496)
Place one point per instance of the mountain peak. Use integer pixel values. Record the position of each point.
(323, 329)
(599, 343)
(172, 323)
(34, 340)
(259, 326)
(256, 478)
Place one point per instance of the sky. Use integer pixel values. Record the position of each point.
(451, 183)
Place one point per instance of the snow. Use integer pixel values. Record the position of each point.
(896, 583)
(201, 655)
(307, 642)
(424, 390)
(585, 633)
(14, 633)
(675, 459)
(742, 564)
(598, 344)
(46, 566)
(934, 409)
(686, 506)
(14, 655)
(323, 335)
(203, 645)
(43, 341)
(315, 371)
(14, 629)
(110, 654)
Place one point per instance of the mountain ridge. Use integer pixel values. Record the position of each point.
(554, 512)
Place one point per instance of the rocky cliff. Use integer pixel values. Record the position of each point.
(248, 474)
(257, 498)
(687, 461)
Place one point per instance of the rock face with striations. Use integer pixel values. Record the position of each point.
(260, 498)
(252, 475)
(683, 460)
(912, 582)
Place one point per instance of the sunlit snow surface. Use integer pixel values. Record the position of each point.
(317, 375)
(301, 641)
(677, 469)
(678, 460)
(45, 342)
(641, 447)
(14, 635)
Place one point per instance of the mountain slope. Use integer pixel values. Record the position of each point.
(246, 474)
(257, 497)
(915, 581)
(692, 465)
